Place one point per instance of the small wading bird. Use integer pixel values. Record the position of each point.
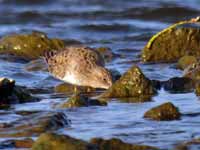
(78, 65)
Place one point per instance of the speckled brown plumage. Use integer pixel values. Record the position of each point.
(78, 62)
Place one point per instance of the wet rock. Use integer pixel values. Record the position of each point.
(133, 83)
(106, 52)
(186, 61)
(193, 72)
(194, 144)
(117, 144)
(22, 143)
(197, 88)
(50, 141)
(35, 124)
(37, 65)
(170, 44)
(164, 112)
(12, 94)
(29, 46)
(178, 84)
(115, 74)
(81, 101)
(68, 89)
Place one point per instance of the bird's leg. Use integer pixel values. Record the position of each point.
(75, 89)
(88, 89)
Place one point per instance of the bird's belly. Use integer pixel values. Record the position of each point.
(70, 78)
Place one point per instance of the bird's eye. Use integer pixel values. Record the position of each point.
(104, 79)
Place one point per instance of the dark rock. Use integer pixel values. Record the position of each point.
(12, 94)
(35, 124)
(172, 43)
(133, 83)
(117, 144)
(50, 141)
(178, 84)
(164, 112)
(194, 144)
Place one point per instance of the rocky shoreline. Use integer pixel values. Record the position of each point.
(179, 43)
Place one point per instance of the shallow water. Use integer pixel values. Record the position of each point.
(125, 27)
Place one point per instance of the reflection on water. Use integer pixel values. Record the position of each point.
(125, 27)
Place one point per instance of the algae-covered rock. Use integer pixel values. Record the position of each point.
(193, 144)
(185, 61)
(197, 88)
(193, 72)
(170, 44)
(67, 89)
(106, 52)
(78, 100)
(164, 112)
(51, 141)
(117, 144)
(18, 143)
(132, 83)
(35, 124)
(29, 46)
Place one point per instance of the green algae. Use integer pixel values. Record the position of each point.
(170, 44)
(78, 100)
(117, 144)
(132, 83)
(29, 46)
(50, 141)
(185, 61)
(163, 112)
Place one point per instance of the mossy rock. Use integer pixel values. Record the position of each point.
(197, 88)
(132, 83)
(186, 61)
(29, 46)
(51, 141)
(164, 112)
(67, 89)
(106, 52)
(117, 144)
(193, 72)
(78, 100)
(172, 43)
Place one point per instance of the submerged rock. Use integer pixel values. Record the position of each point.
(117, 144)
(164, 112)
(170, 44)
(194, 144)
(12, 94)
(50, 141)
(133, 83)
(81, 101)
(186, 61)
(29, 46)
(35, 124)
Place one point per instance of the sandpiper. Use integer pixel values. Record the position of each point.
(79, 65)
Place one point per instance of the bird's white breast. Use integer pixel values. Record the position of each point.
(70, 78)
